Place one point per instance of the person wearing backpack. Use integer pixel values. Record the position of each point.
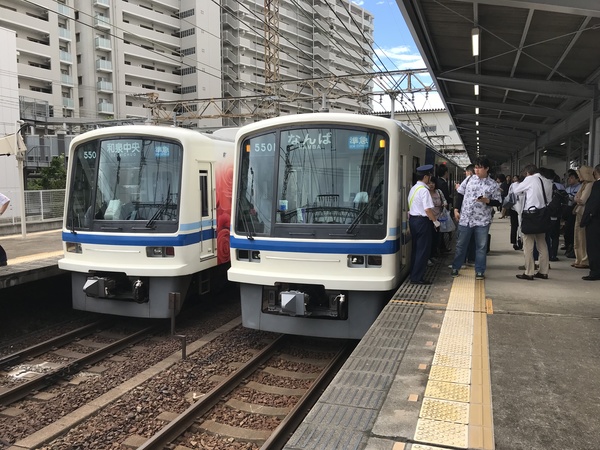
(556, 205)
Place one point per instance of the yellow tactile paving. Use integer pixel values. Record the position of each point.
(29, 258)
(443, 410)
(456, 408)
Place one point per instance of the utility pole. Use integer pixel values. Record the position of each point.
(272, 56)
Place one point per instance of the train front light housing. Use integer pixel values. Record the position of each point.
(73, 247)
(160, 252)
(365, 260)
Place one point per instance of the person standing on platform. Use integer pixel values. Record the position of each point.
(480, 195)
(4, 202)
(573, 186)
(534, 186)
(421, 221)
(586, 177)
(469, 172)
(591, 221)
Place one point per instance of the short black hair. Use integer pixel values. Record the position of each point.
(441, 170)
(482, 162)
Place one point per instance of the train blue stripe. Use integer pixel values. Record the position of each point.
(145, 240)
(364, 248)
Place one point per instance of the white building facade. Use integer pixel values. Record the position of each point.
(98, 60)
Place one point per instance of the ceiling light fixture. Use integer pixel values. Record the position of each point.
(475, 39)
(476, 89)
(476, 110)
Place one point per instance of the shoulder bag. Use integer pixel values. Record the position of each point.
(536, 220)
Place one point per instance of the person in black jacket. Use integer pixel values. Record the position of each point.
(591, 222)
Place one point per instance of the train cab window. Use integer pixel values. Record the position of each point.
(313, 182)
(133, 181)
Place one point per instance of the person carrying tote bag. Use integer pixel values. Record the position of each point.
(535, 221)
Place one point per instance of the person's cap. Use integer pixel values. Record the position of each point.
(427, 169)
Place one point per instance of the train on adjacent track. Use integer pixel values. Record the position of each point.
(319, 236)
(147, 214)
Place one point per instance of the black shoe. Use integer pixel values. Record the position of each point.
(570, 254)
(540, 275)
(3, 263)
(554, 258)
(525, 277)
(423, 282)
(590, 278)
(563, 247)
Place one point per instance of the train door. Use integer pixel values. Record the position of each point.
(208, 235)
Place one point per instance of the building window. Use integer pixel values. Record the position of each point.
(428, 128)
(79, 81)
(452, 128)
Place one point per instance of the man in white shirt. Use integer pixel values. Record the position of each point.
(420, 221)
(534, 186)
(481, 193)
(4, 202)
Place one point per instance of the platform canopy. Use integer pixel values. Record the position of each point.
(519, 75)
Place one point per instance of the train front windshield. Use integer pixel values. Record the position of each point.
(321, 182)
(132, 181)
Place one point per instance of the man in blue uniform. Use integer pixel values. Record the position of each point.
(420, 221)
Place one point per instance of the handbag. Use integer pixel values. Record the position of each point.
(446, 222)
(536, 220)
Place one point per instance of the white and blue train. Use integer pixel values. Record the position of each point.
(319, 220)
(147, 214)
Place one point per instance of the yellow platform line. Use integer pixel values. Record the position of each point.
(457, 407)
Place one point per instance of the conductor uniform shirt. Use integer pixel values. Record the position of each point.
(419, 199)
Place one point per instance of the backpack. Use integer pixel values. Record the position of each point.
(559, 202)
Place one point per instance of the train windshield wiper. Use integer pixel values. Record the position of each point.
(160, 210)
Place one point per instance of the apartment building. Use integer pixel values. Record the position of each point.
(100, 60)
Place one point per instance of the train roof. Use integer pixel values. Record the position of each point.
(225, 134)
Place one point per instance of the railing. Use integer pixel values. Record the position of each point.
(40, 206)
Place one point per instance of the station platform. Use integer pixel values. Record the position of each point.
(31, 258)
(501, 364)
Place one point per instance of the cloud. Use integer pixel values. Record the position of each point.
(401, 57)
(358, 2)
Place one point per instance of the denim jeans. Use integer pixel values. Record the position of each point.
(462, 244)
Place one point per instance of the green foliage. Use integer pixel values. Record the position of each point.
(52, 177)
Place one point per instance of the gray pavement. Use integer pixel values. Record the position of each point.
(544, 356)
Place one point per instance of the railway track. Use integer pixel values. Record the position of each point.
(37, 381)
(199, 418)
(137, 391)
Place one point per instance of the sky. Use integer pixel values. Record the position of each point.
(396, 49)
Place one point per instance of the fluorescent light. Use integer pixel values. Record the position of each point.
(476, 89)
(477, 123)
(476, 110)
(475, 39)
(477, 131)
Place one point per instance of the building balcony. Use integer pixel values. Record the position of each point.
(103, 44)
(103, 65)
(105, 108)
(66, 80)
(102, 3)
(102, 22)
(64, 10)
(104, 86)
(67, 103)
(65, 57)
(64, 34)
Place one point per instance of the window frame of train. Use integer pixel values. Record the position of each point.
(90, 185)
(275, 164)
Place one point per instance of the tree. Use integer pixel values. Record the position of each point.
(51, 177)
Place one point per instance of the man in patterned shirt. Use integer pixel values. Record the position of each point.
(481, 193)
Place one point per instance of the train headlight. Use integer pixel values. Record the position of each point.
(248, 255)
(73, 247)
(160, 252)
(365, 260)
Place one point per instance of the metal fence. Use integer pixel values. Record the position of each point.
(44, 205)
